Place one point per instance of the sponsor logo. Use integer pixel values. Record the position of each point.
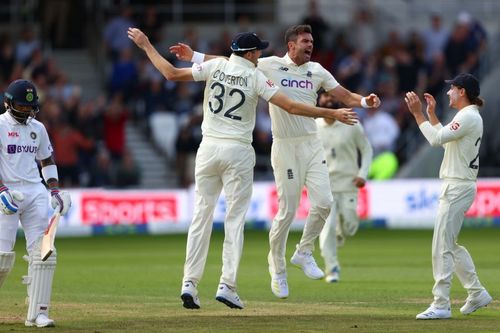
(13, 134)
(198, 67)
(454, 126)
(289, 173)
(270, 83)
(15, 149)
(304, 204)
(283, 68)
(111, 209)
(33, 135)
(487, 201)
(302, 84)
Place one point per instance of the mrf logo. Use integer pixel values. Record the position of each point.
(13, 134)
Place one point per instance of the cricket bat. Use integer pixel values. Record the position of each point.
(49, 236)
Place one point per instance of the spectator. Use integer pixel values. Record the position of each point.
(115, 119)
(435, 38)
(26, 45)
(115, 33)
(381, 130)
(127, 173)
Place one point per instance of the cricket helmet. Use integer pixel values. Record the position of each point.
(21, 93)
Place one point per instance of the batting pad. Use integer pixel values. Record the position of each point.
(39, 282)
(6, 263)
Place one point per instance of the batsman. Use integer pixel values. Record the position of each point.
(23, 196)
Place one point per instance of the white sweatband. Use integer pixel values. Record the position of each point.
(198, 57)
(364, 104)
(49, 171)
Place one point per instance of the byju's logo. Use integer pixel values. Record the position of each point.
(13, 149)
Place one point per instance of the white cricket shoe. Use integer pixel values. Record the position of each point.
(306, 261)
(474, 303)
(189, 295)
(279, 284)
(333, 276)
(433, 313)
(41, 321)
(228, 296)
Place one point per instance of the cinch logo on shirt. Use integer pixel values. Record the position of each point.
(13, 149)
(13, 134)
(304, 84)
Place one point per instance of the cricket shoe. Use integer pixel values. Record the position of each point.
(279, 284)
(228, 296)
(306, 261)
(40, 321)
(189, 295)
(333, 276)
(474, 303)
(434, 313)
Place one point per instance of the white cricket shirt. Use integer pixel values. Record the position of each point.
(231, 94)
(20, 145)
(461, 139)
(341, 143)
(300, 83)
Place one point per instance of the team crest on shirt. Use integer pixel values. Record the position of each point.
(33, 135)
(454, 126)
(309, 74)
(270, 83)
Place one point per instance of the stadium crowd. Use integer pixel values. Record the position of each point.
(89, 136)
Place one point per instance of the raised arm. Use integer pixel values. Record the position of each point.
(346, 116)
(341, 94)
(184, 52)
(169, 71)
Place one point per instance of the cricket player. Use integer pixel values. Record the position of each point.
(341, 144)
(461, 139)
(297, 156)
(225, 158)
(23, 197)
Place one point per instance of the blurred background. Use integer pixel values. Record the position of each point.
(116, 122)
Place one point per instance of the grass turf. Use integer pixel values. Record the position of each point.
(132, 284)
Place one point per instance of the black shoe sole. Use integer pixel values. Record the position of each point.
(188, 302)
(228, 303)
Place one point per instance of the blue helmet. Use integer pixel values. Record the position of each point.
(21, 93)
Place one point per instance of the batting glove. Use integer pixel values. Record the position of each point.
(60, 199)
(7, 197)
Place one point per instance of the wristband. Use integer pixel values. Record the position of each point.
(364, 104)
(49, 172)
(198, 57)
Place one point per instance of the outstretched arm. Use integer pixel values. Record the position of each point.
(169, 71)
(184, 52)
(351, 99)
(346, 116)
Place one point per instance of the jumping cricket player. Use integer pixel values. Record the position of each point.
(461, 139)
(23, 197)
(297, 156)
(225, 158)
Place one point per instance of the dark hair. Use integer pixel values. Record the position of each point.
(476, 100)
(293, 32)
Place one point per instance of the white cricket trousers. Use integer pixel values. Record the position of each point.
(298, 162)
(344, 220)
(447, 256)
(32, 213)
(220, 164)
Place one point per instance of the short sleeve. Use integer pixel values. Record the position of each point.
(202, 71)
(265, 87)
(45, 148)
(329, 82)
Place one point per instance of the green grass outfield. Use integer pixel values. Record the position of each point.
(132, 284)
